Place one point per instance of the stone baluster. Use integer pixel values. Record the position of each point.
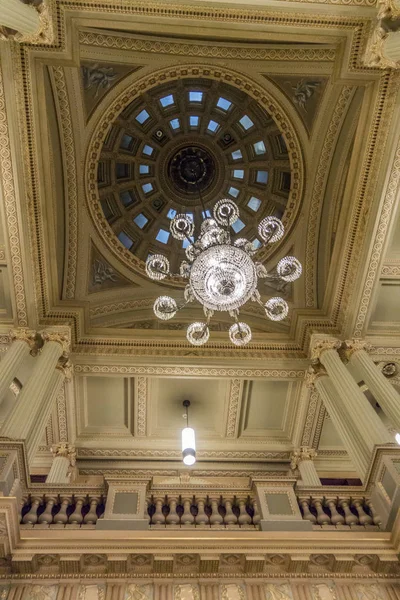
(201, 517)
(376, 518)
(303, 460)
(230, 518)
(61, 518)
(91, 517)
(64, 456)
(24, 415)
(22, 343)
(244, 517)
(336, 518)
(322, 517)
(349, 517)
(187, 518)
(47, 517)
(363, 518)
(256, 515)
(172, 518)
(215, 518)
(76, 517)
(62, 373)
(307, 514)
(31, 517)
(380, 387)
(158, 517)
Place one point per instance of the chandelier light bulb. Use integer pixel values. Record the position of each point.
(222, 273)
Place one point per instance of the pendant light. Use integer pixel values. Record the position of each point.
(188, 440)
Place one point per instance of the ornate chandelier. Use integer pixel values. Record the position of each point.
(222, 273)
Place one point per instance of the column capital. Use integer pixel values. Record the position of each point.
(313, 374)
(383, 45)
(65, 450)
(62, 336)
(355, 345)
(301, 454)
(25, 335)
(66, 367)
(321, 343)
(41, 29)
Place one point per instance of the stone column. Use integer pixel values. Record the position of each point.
(20, 421)
(62, 373)
(23, 341)
(355, 445)
(64, 458)
(355, 405)
(20, 17)
(302, 459)
(381, 388)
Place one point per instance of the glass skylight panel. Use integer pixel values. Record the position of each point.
(144, 169)
(259, 148)
(224, 104)
(185, 242)
(206, 214)
(246, 122)
(194, 121)
(238, 173)
(195, 96)
(238, 225)
(256, 244)
(148, 150)
(254, 203)
(125, 239)
(167, 100)
(142, 116)
(141, 220)
(237, 154)
(212, 126)
(171, 213)
(126, 198)
(126, 141)
(190, 215)
(262, 176)
(162, 236)
(147, 188)
(234, 192)
(175, 123)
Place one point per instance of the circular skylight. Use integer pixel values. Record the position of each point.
(183, 140)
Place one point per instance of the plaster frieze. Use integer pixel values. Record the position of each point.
(189, 370)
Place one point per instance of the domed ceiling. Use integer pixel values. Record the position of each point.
(182, 141)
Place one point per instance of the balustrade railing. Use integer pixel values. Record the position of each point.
(203, 511)
(46, 509)
(344, 511)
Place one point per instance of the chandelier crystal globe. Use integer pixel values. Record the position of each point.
(222, 273)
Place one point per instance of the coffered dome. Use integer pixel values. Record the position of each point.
(182, 140)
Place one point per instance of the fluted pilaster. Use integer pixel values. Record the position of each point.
(23, 340)
(20, 421)
(302, 459)
(64, 457)
(383, 391)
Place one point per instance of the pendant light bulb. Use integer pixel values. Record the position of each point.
(188, 440)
